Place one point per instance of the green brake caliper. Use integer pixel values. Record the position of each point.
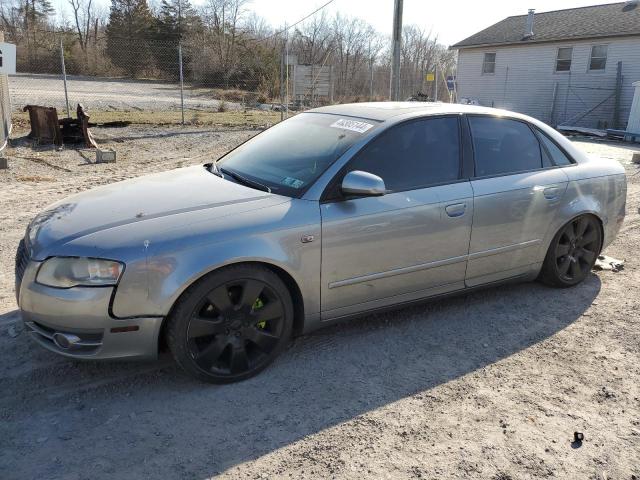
(257, 305)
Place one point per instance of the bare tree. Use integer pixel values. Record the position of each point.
(313, 40)
(84, 19)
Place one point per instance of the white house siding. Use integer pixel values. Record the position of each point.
(525, 79)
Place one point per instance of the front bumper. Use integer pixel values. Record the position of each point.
(83, 313)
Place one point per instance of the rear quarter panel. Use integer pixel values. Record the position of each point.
(596, 187)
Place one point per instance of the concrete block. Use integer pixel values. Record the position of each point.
(636, 157)
(4, 163)
(105, 156)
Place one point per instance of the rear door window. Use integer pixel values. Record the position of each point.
(557, 156)
(414, 154)
(502, 146)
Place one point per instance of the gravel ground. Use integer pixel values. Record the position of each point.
(490, 385)
(106, 94)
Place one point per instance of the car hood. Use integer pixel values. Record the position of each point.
(172, 193)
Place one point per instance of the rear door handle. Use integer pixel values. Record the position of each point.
(456, 209)
(551, 193)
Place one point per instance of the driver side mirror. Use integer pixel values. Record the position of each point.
(363, 184)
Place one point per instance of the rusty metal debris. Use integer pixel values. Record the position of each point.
(46, 128)
(77, 130)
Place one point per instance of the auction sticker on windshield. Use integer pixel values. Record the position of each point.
(352, 125)
(292, 182)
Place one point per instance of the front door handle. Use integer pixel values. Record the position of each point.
(456, 209)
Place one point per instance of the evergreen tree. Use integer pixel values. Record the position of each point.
(128, 36)
(176, 20)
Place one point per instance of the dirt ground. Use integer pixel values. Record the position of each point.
(106, 93)
(490, 385)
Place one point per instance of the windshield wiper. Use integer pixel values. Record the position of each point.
(245, 181)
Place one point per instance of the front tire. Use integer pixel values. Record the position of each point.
(572, 253)
(231, 324)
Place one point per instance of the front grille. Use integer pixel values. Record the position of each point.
(22, 259)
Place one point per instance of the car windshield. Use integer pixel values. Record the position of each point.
(288, 157)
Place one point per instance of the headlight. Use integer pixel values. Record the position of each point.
(65, 272)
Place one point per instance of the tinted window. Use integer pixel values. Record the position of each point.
(503, 146)
(557, 156)
(291, 155)
(414, 154)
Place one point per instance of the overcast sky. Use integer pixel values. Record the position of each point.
(451, 20)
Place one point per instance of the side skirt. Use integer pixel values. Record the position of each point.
(311, 326)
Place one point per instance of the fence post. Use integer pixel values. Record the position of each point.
(552, 115)
(181, 81)
(618, 93)
(64, 78)
(282, 66)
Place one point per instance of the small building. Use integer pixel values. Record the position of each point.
(567, 67)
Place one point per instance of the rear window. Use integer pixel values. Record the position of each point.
(503, 146)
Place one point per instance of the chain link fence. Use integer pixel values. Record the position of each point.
(156, 82)
(167, 82)
(197, 81)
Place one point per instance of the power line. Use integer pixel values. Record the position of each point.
(298, 22)
(269, 37)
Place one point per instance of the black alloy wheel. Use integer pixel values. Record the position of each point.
(238, 321)
(573, 252)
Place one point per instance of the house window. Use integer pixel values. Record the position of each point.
(598, 57)
(489, 63)
(563, 62)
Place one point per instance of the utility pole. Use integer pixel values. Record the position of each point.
(436, 80)
(397, 43)
(286, 66)
(370, 74)
(282, 67)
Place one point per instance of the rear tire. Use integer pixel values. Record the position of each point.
(572, 253)
(231, 324)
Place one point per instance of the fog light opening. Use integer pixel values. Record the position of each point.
(65, 340)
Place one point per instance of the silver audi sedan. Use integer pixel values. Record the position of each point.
(333, 213)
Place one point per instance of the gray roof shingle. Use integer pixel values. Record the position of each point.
(614, 19)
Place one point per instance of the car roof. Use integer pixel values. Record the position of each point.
(382, 111)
